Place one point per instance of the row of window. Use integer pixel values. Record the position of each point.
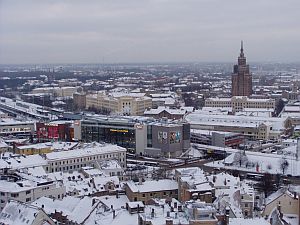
(87, 159)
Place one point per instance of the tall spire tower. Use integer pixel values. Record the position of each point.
(241, 78)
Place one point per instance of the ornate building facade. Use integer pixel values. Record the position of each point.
(241, 77)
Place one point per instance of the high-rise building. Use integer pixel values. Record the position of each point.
(241, 77)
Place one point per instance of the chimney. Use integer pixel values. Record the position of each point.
(180, 208)
(172, 209)
(114, 214)
(93, 201)
(152, 213)
(169, 222)
(227, 216)
(117, 194)
(194, 213)
(43, 206)
(168, 214)
(111, 206)
(214, 179)
(140, 181)
(295, 195)
(175, 205)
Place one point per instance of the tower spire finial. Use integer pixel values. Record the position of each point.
(242, 47)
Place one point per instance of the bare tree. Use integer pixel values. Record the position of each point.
(283, 165)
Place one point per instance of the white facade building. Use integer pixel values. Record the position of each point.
(28, 191)
(82, 156)
(239, 103)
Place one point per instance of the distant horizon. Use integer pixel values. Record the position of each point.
(134, 31)
(150, 63)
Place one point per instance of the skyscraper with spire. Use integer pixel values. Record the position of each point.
(241, 78)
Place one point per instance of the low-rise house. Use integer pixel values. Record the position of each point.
(171, 212)
(17, 213)
(14, 187)
(236, 196)
(69, 210)
(144, 191)
(283, 198)
(193, 184)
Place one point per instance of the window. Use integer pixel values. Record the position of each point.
(28, 192)
(14, 195)
(28, 199)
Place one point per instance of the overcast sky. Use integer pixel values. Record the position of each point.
(113, 31)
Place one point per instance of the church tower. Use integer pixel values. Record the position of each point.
(241, 78)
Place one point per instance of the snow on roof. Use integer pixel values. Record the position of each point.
(242, 221)
(28, 108)
(10, 121)
(259, 162)
(3, 144)
(167, 101)
(160, 109)
(209, 132)
(74, 182)
(161, 214)
(101, 181)
(153, 185)
(92, 172)
(195, 178)
(110, 165)
(16, 213)
(52, 145)
(37, 171)
(198, 117)
(124, 94)
(76, 209)
(14, 161)
(291, 219)
(88, 150)
(292, 108)
(161, 95)
(224, 179)
(277, 194)
(135, 204)
(112, 200)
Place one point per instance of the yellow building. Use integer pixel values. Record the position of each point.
(42, 148)
(120, 103)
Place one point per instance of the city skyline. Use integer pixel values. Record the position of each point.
(35, 32)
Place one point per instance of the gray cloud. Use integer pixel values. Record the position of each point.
(64, 31)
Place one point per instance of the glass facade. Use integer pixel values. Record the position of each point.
(116, 134)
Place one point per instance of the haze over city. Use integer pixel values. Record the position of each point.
(149, 112)
(147, 31)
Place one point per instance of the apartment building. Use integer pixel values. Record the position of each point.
(13, 187)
